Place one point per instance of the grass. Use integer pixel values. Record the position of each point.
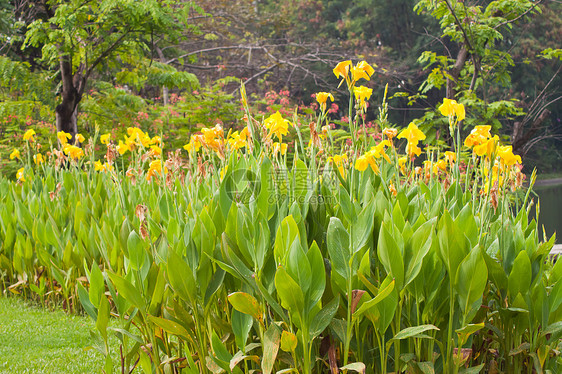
(33, 340)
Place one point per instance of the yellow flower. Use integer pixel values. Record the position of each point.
(378, 150)
(154, 169)
(339, 161)
(451, 107)
(28, 135)
(155, 150)
(412, 149)
(366, 160)
(402, 164)
(451, 157)
(390, 133)
(322, 97)
(279, 147)
(236, 141)
(156, 140)
(342, 70)
(38, 158)
(98, 166)
(362, 71)
(439, 165)
(122, 147)
(73, 152)
(412, 133)
(20, 176)
(487, 148)
(362, 93)
(507, 157)
(477, 136)
(193, 144)
(63, 137)
(80, 138)
(277, 125)
(105, 138)
(15, 154)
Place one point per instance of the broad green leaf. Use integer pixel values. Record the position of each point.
(135, 248)
(381, 295)
(519, 279)
(241, 325)
(453, 246)
(471, 280)
(391, 256)
(271, 340)
(284, 238)
(85, 301)
(324, 317)
(181, 278)
(289, 292)
(247, 304)
(97, 285)
(339, 248)
(128, 291)
(465, 332)
(171, 327)
(413, 332)
(103, 317)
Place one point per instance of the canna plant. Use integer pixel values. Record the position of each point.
(285, 248)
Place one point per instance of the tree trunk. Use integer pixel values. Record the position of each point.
(455, 72)
(72, 88)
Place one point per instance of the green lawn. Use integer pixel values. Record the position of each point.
(33, 340)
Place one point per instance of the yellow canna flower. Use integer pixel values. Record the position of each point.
(451, 107)
(362, 93)
(73, 152)
(122, 147)
(487, 148)
(38, 159)
(156, 140)
(361, 71)
(63, 137)
(28, 135)
(277, 125)
(392, 189)
(279, 147)
(338, 161)
(155, 150)
(439, 165)
(451, 157)
(342, 70)
(15, 154)
(322, 97)
(412, 133)
(412, 149)
(361, 163)
(402, 164)
(80, 138)
(507, 157)
(390, 133)
(105, 138)
(236, 141)
(155, 169)
(378, 150)
(20, 176)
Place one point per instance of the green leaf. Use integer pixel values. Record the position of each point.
(181, 278)
(289, 292)
(471, 280)
(391, 256)
(241, 325)
(324, 317)
(414, 332)
(271, 340)
(339, 247)
(86, 303)
(128, 291)
(97, 285)
(453, 246)
(318, 276)
(468, 330)
(247, 304)
(284, 238)
(381, 295)
(171, 327)
(135, 248)
(519, 279)
(103, 317)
